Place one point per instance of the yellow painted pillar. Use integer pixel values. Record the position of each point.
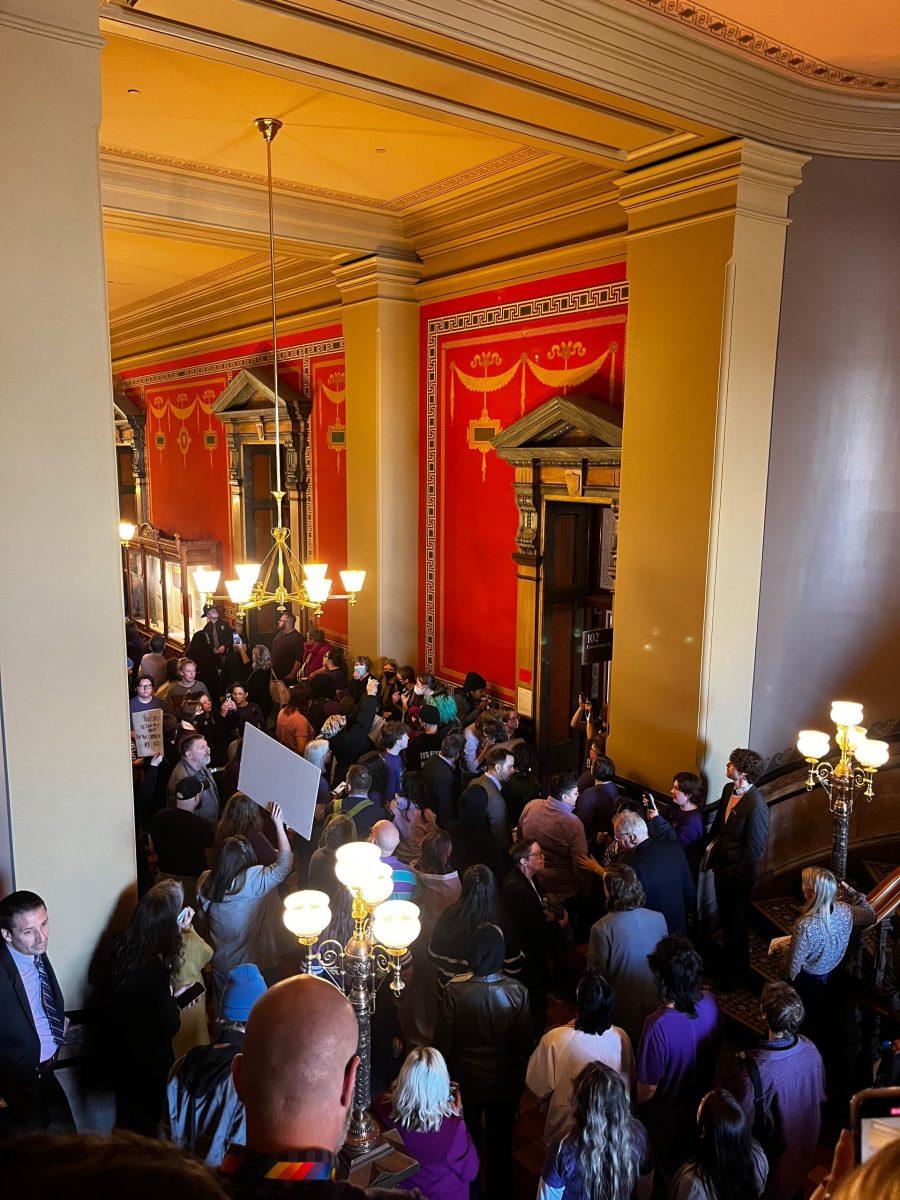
(705, 254)
(381, 339)
(66, 809)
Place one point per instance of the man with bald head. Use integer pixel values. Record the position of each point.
(386, 837)
(296, 1078)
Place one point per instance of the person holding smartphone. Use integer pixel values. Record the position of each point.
(424, 1107)
(140, 1013)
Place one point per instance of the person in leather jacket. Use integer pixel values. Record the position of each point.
(485, 1032)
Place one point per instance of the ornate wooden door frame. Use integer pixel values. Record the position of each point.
(569, 448)
(245, 408)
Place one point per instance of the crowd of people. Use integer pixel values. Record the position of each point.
(216, 1036)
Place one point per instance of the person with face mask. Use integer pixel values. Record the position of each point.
(362, 673)
(387, 682)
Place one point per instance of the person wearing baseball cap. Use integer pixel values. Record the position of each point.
(181, 837)
(203, 1111)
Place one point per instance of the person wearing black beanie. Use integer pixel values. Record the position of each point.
(470, 698)
(485, 1032)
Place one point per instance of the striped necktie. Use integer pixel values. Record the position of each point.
(54, 1016)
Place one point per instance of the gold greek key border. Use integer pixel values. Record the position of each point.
(582, 302)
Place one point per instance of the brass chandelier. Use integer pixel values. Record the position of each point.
(281, 579)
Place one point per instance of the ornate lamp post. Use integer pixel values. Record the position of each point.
(383, 930)
(860, 759)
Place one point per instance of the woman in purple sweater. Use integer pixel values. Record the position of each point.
(429, 1120)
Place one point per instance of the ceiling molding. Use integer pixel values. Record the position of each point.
(398, 54)
(225, 341)
(617, 46)
(221, 302)
(139, 189)
(68, 30)
(243, 269)
(552, 192)
(458, 181)
(746, 40)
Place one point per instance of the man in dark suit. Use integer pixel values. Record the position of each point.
(738, 836)
(522, 899)
(442, 779)
(498, 766)
(32, 1021)
(209, 647)
(662, 869)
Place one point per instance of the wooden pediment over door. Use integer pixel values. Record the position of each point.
(565, 428)
(252, 394)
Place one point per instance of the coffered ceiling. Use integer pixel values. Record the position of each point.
(189, 113)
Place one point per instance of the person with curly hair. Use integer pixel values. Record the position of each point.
(605, 1154)
(738, 839)
(140, 1015)
(677, 1053)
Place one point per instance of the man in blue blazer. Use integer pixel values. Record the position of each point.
(32, 1021)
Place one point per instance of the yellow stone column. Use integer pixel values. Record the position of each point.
(705, 255)
(381, 338)
(66, 810)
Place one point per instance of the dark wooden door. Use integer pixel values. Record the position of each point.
(260, 516)
(565, 579)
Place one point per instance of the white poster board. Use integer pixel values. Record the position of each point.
(148, 732)
(271, 773)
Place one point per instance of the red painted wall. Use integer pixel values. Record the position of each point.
(467, 510)
(187, 458)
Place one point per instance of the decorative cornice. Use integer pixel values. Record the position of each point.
(241, 269)
(739, 175)
(57, 31)
(228, 205)
(520, 157)
(617, 46)
(747, 40)
(378, 277)
(227, 300)
(300, 323)
(444, 186)
(291, 187)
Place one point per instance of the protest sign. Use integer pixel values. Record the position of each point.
(148, 732)
(271, 773)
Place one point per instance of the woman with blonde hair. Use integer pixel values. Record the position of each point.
(605, 1155)
(819, 940)
(258, 677)
(426, 1110)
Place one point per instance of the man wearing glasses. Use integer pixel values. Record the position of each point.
(536, 923)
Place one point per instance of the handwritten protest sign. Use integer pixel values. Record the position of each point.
(148, 732)
(271, 773)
